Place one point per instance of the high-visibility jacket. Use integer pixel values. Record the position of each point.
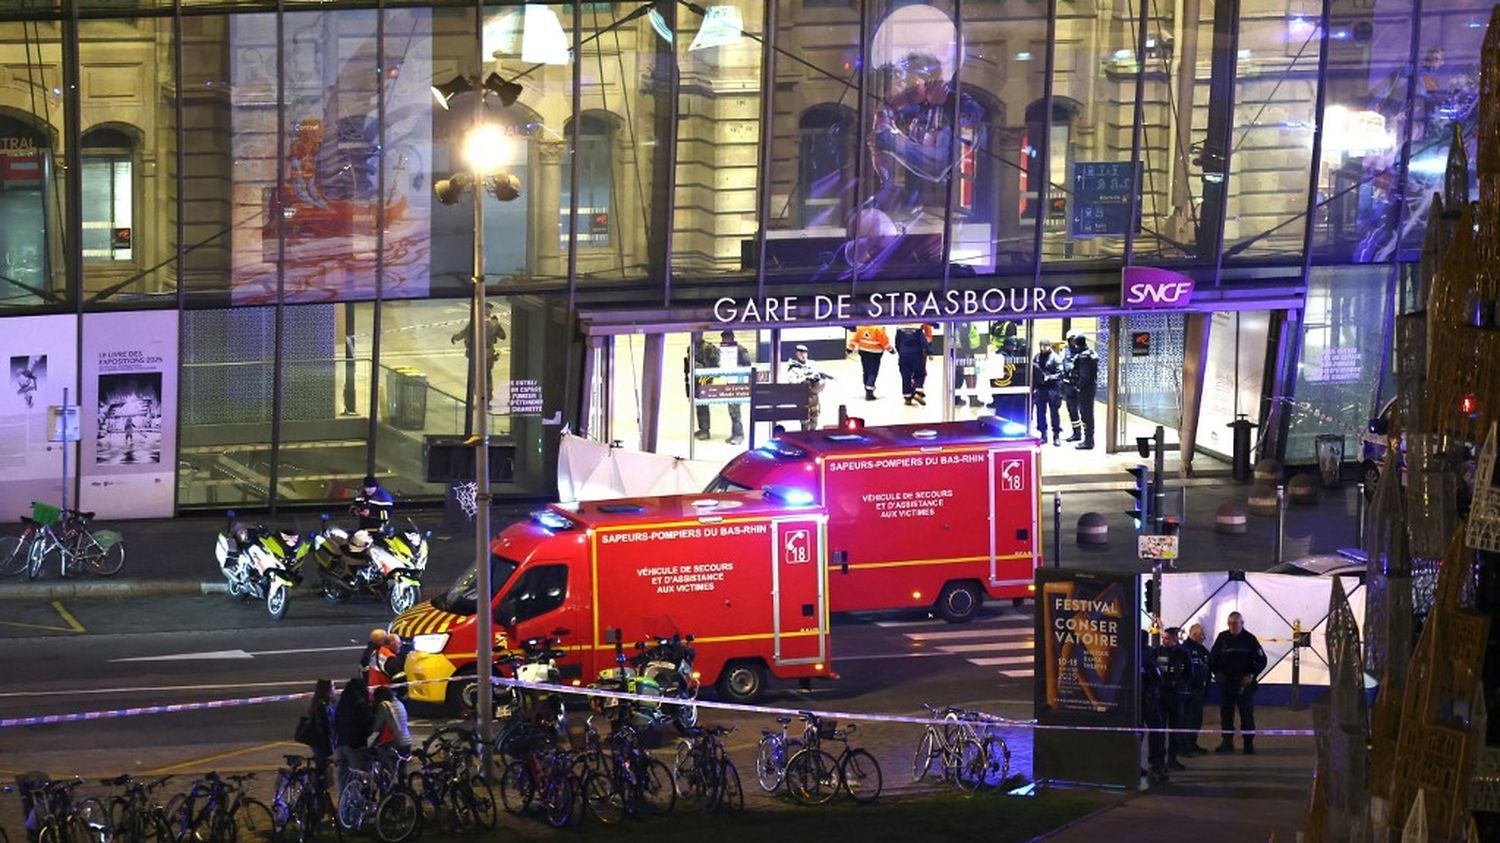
(869, 338)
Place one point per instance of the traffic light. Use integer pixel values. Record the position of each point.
(1142, 494)
(1150, 595)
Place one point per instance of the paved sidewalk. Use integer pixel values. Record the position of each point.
(166, 556)
(1231, 797)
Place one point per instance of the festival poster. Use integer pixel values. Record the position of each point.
(129, 414)
(39, 359)
(1087, 632)
(1087, 677)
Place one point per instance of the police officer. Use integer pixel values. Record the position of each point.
(1085, 375)
(1152, 712)
(1176, 668)
(373, 505)
(1197, 688)
(913, 347)
(1069, 391)
(1046, 379)
(1236, 661)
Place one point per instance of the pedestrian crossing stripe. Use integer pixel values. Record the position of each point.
(1009, 647)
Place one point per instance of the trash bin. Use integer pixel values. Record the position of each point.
(1330, 450)
(406, 398)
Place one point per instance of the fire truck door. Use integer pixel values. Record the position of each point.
(797, 564)
(1013, 517)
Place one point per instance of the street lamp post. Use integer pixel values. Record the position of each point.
(484, 154)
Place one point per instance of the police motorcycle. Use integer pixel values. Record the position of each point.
(260, 563)
(669, 663)
(386, 564)
(537, 662)
(643, 675)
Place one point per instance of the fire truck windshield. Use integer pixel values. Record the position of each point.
(459, 598)
(724, 484)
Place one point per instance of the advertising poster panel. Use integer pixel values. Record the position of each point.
(39, 356)
(1087, 674)
(1232, 382)
(129, 414)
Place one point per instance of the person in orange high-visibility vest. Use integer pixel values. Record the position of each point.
(870, 341)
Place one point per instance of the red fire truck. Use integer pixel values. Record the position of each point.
(743, 572)
(938, 515)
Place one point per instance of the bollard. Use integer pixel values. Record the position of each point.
(1057, 529)
(1268, 470)
(1231, 519)
(1262, 499)
(1093, 528)
(1280, 521)
(1300, 638)
(1359, 518)
(1304, 490)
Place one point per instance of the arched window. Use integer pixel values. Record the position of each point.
(108, 186)
(825, 166)
(596, 181)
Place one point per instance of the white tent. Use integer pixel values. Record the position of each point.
(1269, 605)
(593, 471)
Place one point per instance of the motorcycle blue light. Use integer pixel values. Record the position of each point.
(1011, 428)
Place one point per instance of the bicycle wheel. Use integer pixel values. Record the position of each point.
(253, 820)
(812, 776)
(921, 760)
(860, 774)
(517, 788)
(732, 793)
(657, 789)
(968, 765)
(103, 558)
(177, 816)
(770, 761)
(557, 801)
(481, 799)
(94, 815)
(13, 555)
(398, 817)
(996, 761)
(353, 805)
(66, 829)
(42, 548)
(602, 799)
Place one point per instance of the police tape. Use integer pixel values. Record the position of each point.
(979, 718)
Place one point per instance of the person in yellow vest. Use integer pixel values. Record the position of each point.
(871, 342)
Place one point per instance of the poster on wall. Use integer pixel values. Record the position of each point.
(39, 355)
(129, 418)
(1232, 380)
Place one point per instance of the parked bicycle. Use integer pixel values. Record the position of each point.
(134, 815)
(216, 809)
(542, 780)
(301, 808)
(77, 548)
(378, 799)
(703, 773)
(815, 777)
(969, 756)
(773, 753)
(51, 814)
(15, 551)
(450, 794)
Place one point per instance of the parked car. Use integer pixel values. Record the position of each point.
(1349, 561)
(1374, 446)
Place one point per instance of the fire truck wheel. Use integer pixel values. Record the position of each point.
(959, 602)
(742, 682)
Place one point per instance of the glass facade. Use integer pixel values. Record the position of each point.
(267, 171)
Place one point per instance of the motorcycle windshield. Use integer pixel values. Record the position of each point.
(460, 597)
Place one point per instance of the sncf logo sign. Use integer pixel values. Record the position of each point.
(1146, 287)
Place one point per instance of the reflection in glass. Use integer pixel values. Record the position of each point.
(31, 176)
